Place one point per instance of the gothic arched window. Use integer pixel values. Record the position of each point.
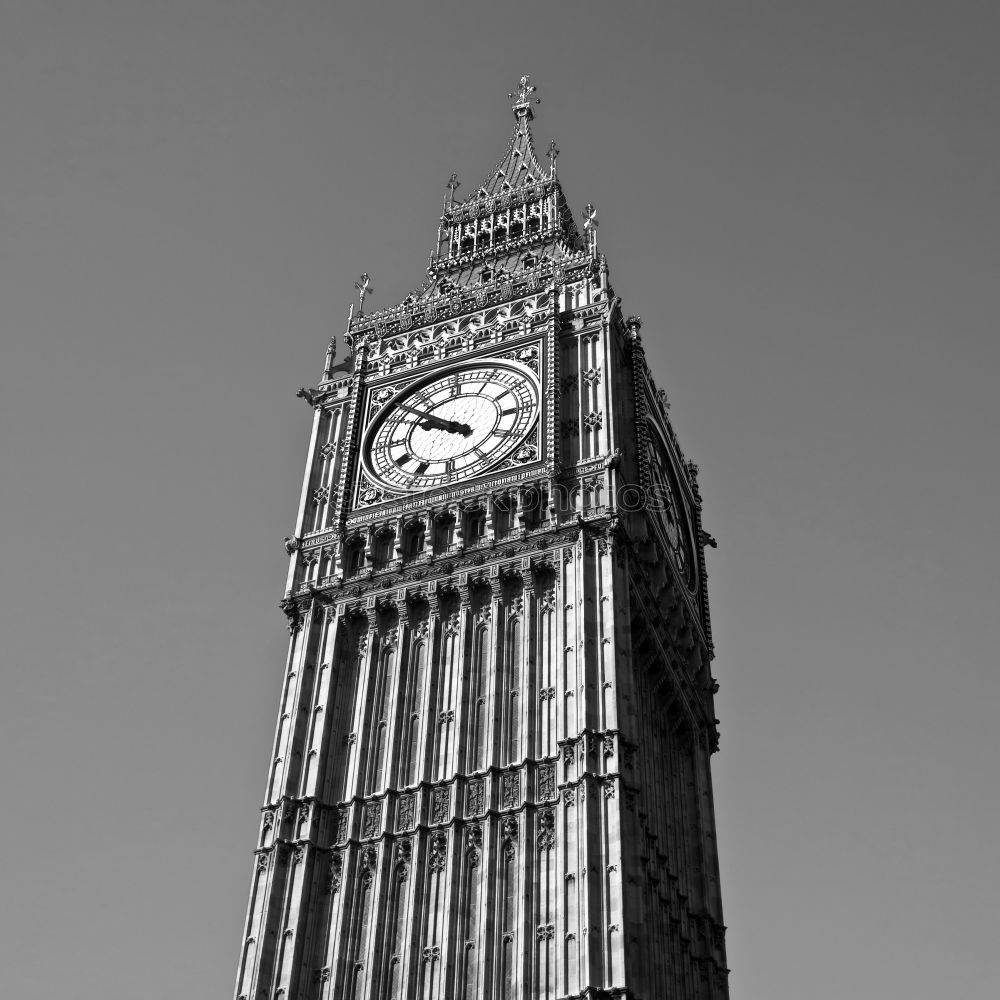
(503, 517)
(413, 540)
(475, 526)
(384, 542)
(354, 557)
(444, 534)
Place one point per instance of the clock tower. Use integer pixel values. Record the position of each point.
(491, 772)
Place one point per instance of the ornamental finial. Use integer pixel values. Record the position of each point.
(523, 100)
(364, 287)
(553, 155)
(590, 225)
(453, 185)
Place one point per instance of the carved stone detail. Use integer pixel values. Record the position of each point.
(335, 875)
(372, 823)
(405, 813)
(508, 831)
(439, 852)
(510, 791)
(474, 844)
(546, 830)
(546, 781)
(476, 797)
(441, 809)
(369, 862)
(404, 851)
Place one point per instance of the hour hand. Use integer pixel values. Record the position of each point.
(452, 426)
(429, 422)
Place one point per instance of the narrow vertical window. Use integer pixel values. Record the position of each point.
(481, 666)
(509, 918)
(513, 683)
(444, 535)
(414, 699)
(384, 543)
(475, 527)
(414, 750)
(379, 758)
(376, 771)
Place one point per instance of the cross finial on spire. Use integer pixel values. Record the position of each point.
(553, 154)
(364, 287)
(523, 100)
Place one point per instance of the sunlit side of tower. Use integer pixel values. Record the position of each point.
(491, 772)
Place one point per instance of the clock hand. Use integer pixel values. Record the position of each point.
(429, 422)
(452, 426)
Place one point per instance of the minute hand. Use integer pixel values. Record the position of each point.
(429, 420)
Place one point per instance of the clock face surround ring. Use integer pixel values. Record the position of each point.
(452, 426)
(667, 496)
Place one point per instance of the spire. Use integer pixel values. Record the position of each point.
(518, 167)
(517, 211)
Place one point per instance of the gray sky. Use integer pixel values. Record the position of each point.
(799, 198)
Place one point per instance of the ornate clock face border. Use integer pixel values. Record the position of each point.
(525, 456)
(672, 505)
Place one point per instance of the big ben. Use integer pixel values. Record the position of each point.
(491, 771)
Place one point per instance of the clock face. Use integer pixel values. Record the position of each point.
(666, 498)
(453, 426)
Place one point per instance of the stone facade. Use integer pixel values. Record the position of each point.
(491, 771)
